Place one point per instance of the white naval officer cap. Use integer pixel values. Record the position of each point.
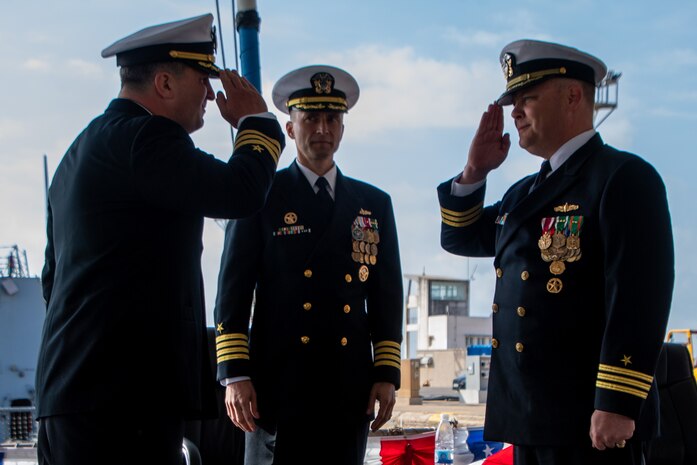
(316, 88)
(527, 62)
(191, 41)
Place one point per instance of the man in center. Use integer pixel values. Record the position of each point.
(320, 267)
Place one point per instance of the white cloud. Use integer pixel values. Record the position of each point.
(469, 38)
(35, 64)
(401, 90)
(11, 129)
(84, 68)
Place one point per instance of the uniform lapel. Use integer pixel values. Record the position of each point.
(530, 205)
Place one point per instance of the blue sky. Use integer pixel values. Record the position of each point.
(426, 69)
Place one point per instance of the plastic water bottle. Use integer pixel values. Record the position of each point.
(445, 441)
(463, 454)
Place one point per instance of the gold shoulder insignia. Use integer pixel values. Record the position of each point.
(567, 207)
(219, 328)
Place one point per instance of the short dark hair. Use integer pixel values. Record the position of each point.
(138, 76)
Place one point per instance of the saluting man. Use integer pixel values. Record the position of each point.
(323, 259)
(584, 268)
(124, 359)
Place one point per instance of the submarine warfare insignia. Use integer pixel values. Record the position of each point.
(560, 243)
(366, 238)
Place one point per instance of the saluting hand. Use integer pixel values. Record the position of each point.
(239, 99)
(489, 147)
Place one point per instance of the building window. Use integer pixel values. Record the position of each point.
(448, 298)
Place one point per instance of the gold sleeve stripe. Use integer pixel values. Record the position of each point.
(261, 136)
(623, 380)
(233, 343)
(626, 372)
(250, 137)
(462, 224)
(389, 364)
(463, 214)
(246, 139)
(389, 350)
(233, 357)
(239, 350)
(387, 355)
(226, 337)
(618, 388)
(460, 219)
(259, 143)
(381, 344)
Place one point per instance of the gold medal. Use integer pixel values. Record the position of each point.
(366, 258)
(558, 240)
(290, 218)
(376, 236)
(573, 242)
(546, 255)
(373, 249)
(554, 286)
(545, 241)
(355, 256)
(361, 246)
(355, 246)
(363, 273)
(373, 259)
(557, 267)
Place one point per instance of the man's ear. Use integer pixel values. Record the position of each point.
(289, 129)
(574, 93)
(164, 84)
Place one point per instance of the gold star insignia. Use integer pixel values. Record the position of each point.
(219, 328)
(627, 360)
(257, 148)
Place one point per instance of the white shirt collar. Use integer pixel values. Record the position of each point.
(564, 152)
(312, 177)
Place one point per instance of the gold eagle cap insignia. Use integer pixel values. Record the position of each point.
(567, 207)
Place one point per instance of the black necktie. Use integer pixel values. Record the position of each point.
(325, 204)
(545, 169)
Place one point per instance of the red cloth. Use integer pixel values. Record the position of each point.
(417, 449)
(503, 457)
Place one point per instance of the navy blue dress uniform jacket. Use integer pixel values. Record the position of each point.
(327, 319)
(125, 323)
(584, 334)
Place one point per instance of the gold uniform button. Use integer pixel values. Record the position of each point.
(494, 308)
(307, 305)
(308, 273)
(521, 311)
(524, 275)
(494, 343)
(344, 341)
(348, 278)
(305, 340)
(499, 272)
(347, 308)
(519, 346)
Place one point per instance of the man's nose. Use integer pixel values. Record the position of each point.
(210, 93)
